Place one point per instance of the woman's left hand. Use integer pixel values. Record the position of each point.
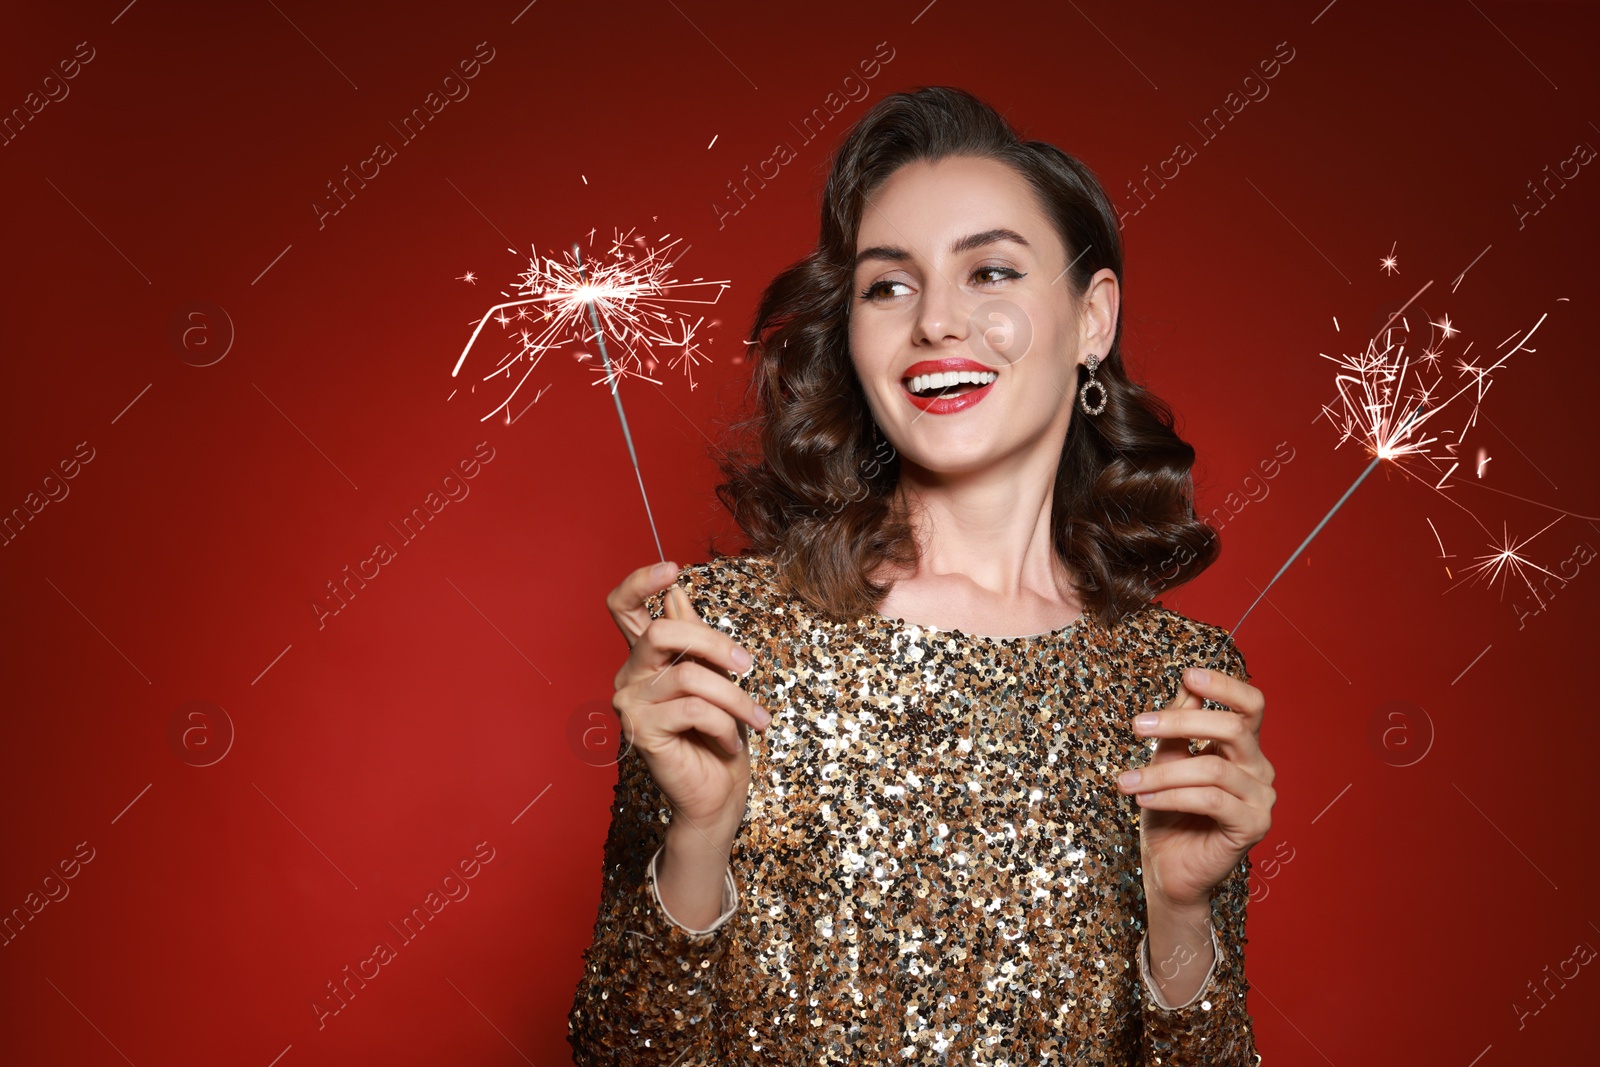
(1200, 813)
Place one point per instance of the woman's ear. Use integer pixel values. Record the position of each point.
(1097, 313)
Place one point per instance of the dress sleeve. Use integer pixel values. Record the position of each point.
(649, 984)
(1213, 1028)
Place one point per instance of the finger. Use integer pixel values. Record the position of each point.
(709, 720)
(678, 606)
(1175, 748)
(1207, 770)
(1225, 689)
(1242, 823)
(1228, 730)
(686, 678)
(1184, 698)
(671, 640)
(627, 601)
(649, 723)
(1169, 749)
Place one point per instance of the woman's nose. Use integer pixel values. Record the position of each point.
(941, 312)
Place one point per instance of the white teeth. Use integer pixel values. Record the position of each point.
(923, 382)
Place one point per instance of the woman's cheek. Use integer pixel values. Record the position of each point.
(872, 352)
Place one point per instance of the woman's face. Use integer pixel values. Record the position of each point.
(963, 273)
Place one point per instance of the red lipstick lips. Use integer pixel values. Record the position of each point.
(946, 405)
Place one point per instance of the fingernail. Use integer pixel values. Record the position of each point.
(661, 570)
(1148, 721)
(1198, 676)
(1128, 779)
(741, 659)
(763, 716)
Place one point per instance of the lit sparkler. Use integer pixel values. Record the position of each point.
(628, 295)
(1393, 404)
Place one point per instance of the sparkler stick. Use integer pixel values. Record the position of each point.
(1318, 528)
(600, 338)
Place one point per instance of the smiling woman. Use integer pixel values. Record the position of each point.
(953, 247)
(857, 819)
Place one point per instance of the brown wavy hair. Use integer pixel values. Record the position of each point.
(808, 481)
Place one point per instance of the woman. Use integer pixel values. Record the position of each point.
(926, 851)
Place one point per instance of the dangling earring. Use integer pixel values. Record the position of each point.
(1092, 383)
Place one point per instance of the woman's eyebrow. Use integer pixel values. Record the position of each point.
(892, 254)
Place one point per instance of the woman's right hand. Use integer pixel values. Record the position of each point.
(678, 708)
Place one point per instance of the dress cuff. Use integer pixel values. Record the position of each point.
(730, 900)
(1205, 984)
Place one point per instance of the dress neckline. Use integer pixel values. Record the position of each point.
(1048, 635)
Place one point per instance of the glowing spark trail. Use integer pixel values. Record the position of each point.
(629, 296)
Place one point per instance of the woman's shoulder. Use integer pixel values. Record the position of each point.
(1170, 637)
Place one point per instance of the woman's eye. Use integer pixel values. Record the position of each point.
(872, 290)
(1002, 272)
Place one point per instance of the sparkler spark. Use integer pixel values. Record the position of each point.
(1387, 402)
(1506, 561)
(629, 295)
(1389, 264)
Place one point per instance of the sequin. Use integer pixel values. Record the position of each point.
(935, 865)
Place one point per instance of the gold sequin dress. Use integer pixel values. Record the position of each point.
(935, 866)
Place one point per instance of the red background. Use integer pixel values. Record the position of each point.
(1411, 905)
